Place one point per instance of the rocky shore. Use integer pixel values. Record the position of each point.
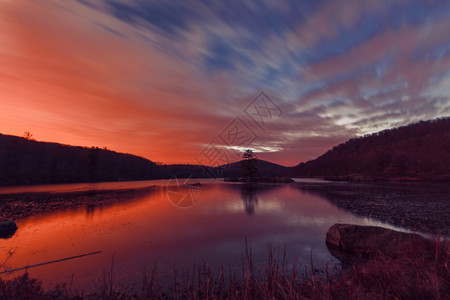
(17, 206)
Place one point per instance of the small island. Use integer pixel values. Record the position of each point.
(250, 172)
(260, 179)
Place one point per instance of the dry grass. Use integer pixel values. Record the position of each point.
(420, 272)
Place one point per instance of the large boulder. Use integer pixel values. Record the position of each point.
(344, 240)
(7, 229)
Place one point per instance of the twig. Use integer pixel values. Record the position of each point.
(50, 262)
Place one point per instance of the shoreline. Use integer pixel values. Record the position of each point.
(22, 205)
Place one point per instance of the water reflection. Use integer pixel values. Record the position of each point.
(92, 209)
(250, 193)
(22, 205)
(146, 228)
(423, 207)
(249, 197)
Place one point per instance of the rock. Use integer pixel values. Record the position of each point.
(344, 240)
(7, 229)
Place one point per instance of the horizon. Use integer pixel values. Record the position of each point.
(31, 137)
(172, 82)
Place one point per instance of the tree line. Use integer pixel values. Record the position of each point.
(26, 161)
(418, 151)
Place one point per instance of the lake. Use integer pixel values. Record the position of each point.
(174, 226)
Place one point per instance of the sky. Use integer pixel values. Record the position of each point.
(200, 81)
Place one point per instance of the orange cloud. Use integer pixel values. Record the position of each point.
(110, 75)
(65, 79)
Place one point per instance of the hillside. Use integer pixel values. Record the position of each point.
(419, 151)
(24, 161)
(264, 168)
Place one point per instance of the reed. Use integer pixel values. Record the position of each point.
(421, 271)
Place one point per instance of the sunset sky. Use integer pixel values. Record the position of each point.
(168, 80)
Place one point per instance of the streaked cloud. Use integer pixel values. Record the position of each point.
(163, 79)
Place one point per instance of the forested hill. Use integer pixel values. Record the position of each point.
(263, 168)
(24, 161)
(419, 151)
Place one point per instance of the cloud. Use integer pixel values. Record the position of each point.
(162, 80)
(76, 83)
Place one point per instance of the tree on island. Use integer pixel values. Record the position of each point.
(249, 172)
(249, 165)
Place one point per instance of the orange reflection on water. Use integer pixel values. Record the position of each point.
(141, 232)
(74, 232)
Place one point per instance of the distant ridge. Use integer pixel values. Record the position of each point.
(25, 161)
(416, 152)
(419, 151)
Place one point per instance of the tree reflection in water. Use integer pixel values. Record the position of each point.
(249, 197)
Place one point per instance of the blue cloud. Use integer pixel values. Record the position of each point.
(221, 55)
(417, 12)
(168, 16)
(248, 40)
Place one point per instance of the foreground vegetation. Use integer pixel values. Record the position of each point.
(421, 271)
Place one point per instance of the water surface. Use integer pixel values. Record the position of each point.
(151, 230)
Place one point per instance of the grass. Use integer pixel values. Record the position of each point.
(420, 272)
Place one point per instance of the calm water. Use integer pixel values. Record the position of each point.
(152, 231)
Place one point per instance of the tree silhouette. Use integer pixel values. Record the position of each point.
(248, 164)
(28, 135)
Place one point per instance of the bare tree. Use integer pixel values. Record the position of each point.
(28, 136)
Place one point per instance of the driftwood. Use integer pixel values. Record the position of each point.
(49, 262)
